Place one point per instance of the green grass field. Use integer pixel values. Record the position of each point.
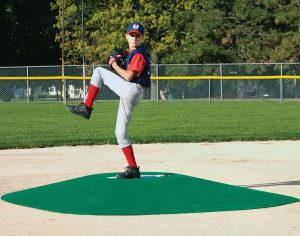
(49, 124)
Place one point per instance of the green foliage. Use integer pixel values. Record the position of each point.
(271, 25)
(192, 31)
(242, 31)
(106, 25)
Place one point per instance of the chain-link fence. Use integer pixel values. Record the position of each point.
(204, 81)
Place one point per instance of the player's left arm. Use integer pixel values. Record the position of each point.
(135, 68)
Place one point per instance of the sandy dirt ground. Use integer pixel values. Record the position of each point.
(269, 166)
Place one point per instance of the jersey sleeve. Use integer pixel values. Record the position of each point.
(137, 64)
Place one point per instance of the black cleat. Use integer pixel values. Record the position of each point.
(130, 173)
(80, 110)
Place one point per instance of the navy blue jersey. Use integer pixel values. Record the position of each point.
(144, 77)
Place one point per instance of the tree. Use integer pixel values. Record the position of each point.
(192, 31)
(242, 31)
(106, 22)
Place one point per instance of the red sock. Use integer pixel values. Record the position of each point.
(91, 96)
(128, 152)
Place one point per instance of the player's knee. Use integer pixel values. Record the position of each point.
(97, 77)
(97, 72)
(100, 70)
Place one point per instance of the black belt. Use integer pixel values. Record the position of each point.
(144, 86)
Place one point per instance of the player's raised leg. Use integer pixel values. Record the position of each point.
(114, 82)
(85, 109)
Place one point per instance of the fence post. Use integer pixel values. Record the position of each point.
(157, 83)
(154, 87)
(281, 84)
(209, 97)
(83, 82)
(27, 83)
(295, 86)
(221, 83)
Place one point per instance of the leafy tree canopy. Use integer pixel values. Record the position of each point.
(191, 31)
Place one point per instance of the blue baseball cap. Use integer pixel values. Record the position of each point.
(135, 27)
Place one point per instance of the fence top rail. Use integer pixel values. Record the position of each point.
(218, 77)
(251, 77)
(45, 66)
(153, 64)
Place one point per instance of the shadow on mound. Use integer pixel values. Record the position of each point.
(157, 193)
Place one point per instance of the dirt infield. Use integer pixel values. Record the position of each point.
(269, 166)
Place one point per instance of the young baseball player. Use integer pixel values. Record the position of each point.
(129, 84)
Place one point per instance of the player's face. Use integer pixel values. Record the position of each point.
(134, 39)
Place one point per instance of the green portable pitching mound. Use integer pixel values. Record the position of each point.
(154, 193)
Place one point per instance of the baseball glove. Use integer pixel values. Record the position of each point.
(117, 55)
